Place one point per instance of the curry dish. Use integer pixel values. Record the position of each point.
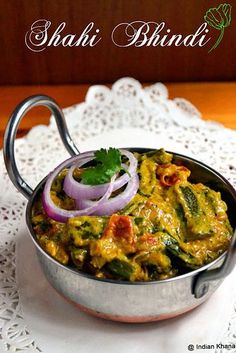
(171, 226)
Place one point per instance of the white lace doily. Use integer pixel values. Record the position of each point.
(175, 124)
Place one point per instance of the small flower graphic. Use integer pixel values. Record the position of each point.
(219, 18)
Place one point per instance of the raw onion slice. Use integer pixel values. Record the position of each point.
(62, 215)
(84, 204)
(79, 191)
(116, 203)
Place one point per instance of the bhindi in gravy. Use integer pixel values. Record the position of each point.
(169, 227)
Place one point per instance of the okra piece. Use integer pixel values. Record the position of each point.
(119, 269)
(160, 156)
(130, 209)
(78, 256)
(148, 180)
(195, 210)
(153, 273)
(134, 206)
(143, 226)
(190, 200)
(174, 249)
(159, 260)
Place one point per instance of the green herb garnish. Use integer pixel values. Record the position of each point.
(108, 162)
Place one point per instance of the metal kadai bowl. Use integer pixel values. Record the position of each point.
(113, 299)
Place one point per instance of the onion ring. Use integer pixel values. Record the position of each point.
(62, 215)
(116, 203)
(82, 194)
(79, 191)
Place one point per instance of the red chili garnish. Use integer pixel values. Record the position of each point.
(151, 240)
(167, 180)
(120, 227)
(182, 168)
(221, 217)
(173, 175)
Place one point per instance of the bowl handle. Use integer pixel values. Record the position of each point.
(202, 282)
(10, 135)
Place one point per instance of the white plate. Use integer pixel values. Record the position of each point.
(59, 327)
